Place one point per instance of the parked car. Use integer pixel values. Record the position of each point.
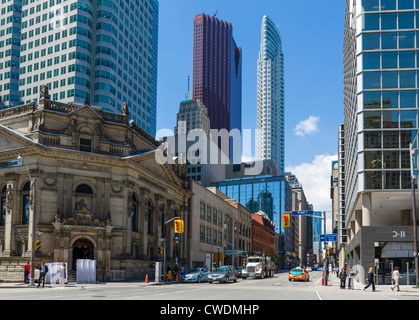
(195, 275)
(298, 274)
(239, 271)
(223, 274)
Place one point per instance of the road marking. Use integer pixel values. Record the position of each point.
(320, 298)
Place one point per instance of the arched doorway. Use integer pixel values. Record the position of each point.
(82, 249)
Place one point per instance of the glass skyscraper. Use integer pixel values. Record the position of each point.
(380, 121)
(270, 96)
(217, 74)
(270, 194)
(104, 52)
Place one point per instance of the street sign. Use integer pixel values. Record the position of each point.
(302, 213)
(329, 237)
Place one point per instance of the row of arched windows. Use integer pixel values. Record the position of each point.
(83, 199)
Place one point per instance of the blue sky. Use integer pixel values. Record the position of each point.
(312, 37)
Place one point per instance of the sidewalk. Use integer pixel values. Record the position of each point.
(333, 291)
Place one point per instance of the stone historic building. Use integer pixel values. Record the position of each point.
(90, 182)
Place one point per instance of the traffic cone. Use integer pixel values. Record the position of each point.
(146, 278)
(177, 279)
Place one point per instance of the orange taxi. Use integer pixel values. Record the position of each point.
(298, 274)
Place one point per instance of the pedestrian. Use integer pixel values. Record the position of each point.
(61, 271)
(26, 270)
(370, 280)
(337, 272)
(351, 277)
(342, 277)
(42, 273)
(182, 270)
(396, 276)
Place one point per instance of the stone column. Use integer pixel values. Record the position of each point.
(10, 205)
(366, 209)
(32, 216)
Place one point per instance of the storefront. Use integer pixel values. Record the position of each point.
(382, 248)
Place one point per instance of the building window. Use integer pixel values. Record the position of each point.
(25, 203)
(84, 197)
(85, 145)
(134, 225)
(3, 205)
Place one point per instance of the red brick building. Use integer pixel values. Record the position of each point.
(264, 238)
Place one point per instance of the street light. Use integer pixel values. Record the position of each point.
(32, 229)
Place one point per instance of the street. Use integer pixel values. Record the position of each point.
(277, 288)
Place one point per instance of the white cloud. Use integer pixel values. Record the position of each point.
(315, 180)
(308, 126)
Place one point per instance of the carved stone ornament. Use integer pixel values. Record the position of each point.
(50, 180)
(9, 198)
(116, 187)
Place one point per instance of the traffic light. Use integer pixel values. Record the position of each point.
(286, 220)
(179, 226)
(161, 251)
(37, 245)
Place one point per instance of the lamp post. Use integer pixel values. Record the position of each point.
(31, 220)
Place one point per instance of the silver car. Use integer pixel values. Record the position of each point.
(195, 275)
(223, 274)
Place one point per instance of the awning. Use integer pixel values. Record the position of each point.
(234, 252)
(398, 250)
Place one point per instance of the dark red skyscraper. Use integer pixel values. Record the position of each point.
(217, 71)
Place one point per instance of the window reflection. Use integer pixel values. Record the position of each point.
(407, 79)
(390, 79)
(370, 5)
(407, 59)
(372, 160)
(389, 40)
(407, 137)
(371, 22)
(372, 139)
(372, 80)
(392, 180)
(389, 60)
(372, 119)
(391, 159)
(371, 41)
(373, 180)
(390, 119)
(406, 40)
(390, 99)
(388, 4)
(371, 60)
(407, 99)
(406, 20)
(390, 139)
(372, 100)
(389, 21)
(408, 119)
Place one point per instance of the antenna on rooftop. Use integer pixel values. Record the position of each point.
(215, 14)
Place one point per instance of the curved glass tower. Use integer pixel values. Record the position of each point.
(270, 95)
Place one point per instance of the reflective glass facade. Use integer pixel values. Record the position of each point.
(270, 194)
(270, 96)
(103, 51)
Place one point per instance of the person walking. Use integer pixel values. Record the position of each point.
(26, 270)
(370, 279)
(396, 276)
(342, 277)
(42, 273)
(351, 277)
(61, 271)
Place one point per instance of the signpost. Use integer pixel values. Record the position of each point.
(329, 237)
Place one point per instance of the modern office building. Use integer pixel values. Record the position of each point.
(217, 73)
(380, 121)
(270, 95)
(104, 52)
(270, 194)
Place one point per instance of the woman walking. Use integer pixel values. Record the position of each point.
(342, 277)
(370, 280)
(396, 276)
